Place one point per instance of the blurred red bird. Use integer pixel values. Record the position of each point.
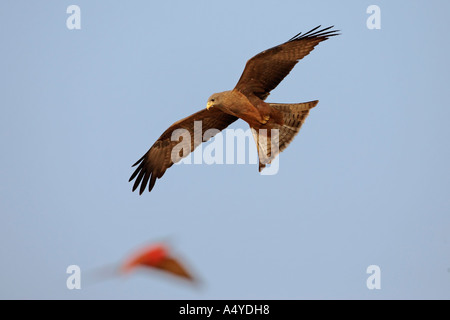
(158, 257)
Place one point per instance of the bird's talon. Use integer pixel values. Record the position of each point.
(265, 119)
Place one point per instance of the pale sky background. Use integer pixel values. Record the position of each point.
(365, 182)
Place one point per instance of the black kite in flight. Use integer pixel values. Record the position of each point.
(261, 75)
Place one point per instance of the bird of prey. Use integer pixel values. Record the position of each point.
(270, 122)
(156, 256)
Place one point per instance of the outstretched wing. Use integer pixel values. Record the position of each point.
(267, 69)
(160, 157)
(171, 265)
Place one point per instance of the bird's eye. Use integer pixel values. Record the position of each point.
(212, 100)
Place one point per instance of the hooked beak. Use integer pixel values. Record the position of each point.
(209, 105)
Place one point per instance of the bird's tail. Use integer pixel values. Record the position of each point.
(270, 144)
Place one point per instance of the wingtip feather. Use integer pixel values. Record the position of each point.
(323, 33)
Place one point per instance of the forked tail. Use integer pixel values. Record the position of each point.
(271, 142)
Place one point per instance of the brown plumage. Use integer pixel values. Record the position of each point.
(269, 122)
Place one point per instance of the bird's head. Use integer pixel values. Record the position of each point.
(213, 101)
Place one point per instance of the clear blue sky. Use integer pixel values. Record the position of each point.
(365, 182)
